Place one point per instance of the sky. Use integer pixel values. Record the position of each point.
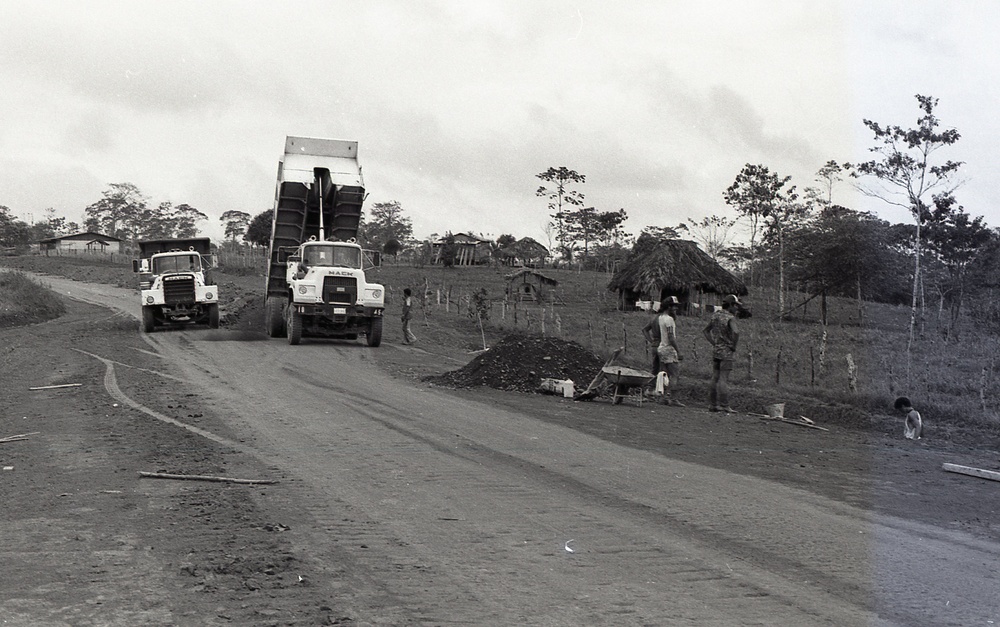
(457, 105)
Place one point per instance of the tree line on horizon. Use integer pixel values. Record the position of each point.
(801, 239)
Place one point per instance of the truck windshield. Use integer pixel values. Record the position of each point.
(341, 256)
(176, 263)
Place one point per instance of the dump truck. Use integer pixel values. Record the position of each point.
(316, 284)
(175, 283)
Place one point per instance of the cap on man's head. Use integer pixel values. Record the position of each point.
(671, 300)
(731, 300)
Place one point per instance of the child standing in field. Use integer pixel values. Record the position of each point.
(408, 337)
(913, 427)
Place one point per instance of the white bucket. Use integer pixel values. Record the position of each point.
(568, 388)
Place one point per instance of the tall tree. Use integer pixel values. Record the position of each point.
(186, 219)
(761, 196)
(588, 225)
(561, 197)
(387, 222)
(13, 232)
(828, 176)
(955, 239)
(714, 233)
(119, 212)
(906, 175)
(259, 230)
(842, 253)
(236, 224)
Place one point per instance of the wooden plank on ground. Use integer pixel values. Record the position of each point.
(56, 387)
(972, 472)
(163, 475)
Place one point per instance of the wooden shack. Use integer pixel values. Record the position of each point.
(529, 285)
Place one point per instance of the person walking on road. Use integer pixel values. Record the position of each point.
(668, 351)
(722, 334)
(408, 337)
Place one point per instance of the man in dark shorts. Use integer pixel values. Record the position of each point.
(722, 334)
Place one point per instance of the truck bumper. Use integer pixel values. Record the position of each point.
(338, 312)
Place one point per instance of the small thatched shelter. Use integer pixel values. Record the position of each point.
(530, 285)
(673, 268)
(525, 252)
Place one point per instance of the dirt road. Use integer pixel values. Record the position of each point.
(402, 503)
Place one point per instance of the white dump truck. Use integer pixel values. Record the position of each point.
(175, 284)
(316, 284)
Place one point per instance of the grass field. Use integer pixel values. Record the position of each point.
(24, 301)
(799, 361)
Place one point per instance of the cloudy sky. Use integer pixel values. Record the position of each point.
(458, 104)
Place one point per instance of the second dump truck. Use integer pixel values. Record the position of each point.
(175, 284)
(316, 281)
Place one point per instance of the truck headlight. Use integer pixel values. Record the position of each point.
(149, 300)
(376, 293)
(209, 295)
(302, 289)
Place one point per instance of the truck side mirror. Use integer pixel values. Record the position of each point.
(135, 265)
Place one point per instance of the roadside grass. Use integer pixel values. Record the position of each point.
(798, 361)
(951, 381)
(25, 301)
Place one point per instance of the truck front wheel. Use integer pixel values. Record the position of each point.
(213, 316)
(148, 321)
(274, 309)
(294, 327)
(375, 332)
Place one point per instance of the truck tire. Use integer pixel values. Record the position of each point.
(294, 327)
(274, 311)
(375, 332)
(148, 321)
(213, 316)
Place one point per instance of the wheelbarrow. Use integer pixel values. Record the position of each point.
(622, 380)
(625, 380)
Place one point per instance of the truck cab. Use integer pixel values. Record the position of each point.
(175, 285)
(328, 291)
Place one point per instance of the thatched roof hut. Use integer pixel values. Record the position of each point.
(673, 268)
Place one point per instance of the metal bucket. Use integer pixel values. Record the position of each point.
(776, 411)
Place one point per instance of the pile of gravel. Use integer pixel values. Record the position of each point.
(519, 363)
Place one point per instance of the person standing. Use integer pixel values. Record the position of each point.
(668, 351)
(408, 337)
(652, 334)
(722, 334)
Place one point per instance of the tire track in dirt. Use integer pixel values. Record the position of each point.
(111, 385)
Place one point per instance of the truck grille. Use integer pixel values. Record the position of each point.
(178, 290)
(342, 290)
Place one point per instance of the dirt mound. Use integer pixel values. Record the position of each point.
(519, 363)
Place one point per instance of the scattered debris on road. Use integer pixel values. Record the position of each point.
(972, 472)
(162, 475)
(54, 387)
(15, 438)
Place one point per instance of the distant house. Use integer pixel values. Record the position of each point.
(530, 285)
(81, 243)
(525, 252)
(469, 250)
(674, 268)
